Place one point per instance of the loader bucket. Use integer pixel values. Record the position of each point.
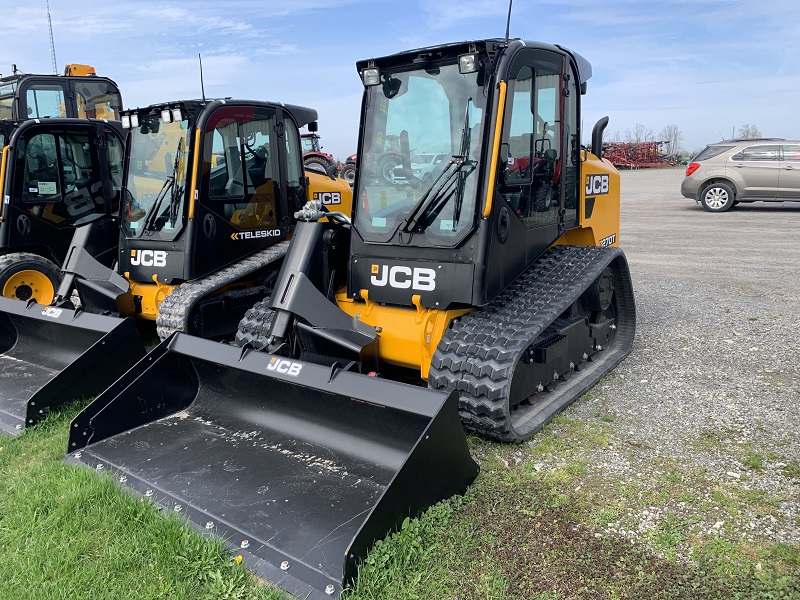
(50, 356)
(299, 467)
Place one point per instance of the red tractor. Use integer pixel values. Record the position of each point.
(313, 156)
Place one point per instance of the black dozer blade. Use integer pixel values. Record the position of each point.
(299, 467)
(50, 356)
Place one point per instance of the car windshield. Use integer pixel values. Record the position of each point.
(156, 179)
(422, 137)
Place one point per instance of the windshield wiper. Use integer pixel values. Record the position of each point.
(169, 184)
(428, 200)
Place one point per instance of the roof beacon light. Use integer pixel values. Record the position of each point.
(467, 63)
(166, 116)
(371, 76)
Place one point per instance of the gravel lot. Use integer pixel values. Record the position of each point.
(712, 387)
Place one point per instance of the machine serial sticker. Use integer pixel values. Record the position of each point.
(607, 241)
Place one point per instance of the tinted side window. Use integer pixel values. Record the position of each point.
(791, 152)
(757, 153)
(711, 152)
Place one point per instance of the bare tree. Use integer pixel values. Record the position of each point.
(639, 133)
(673, 137)
(749, 132)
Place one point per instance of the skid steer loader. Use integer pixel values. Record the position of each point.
(496, 280)
(54, 174)
(209, 192)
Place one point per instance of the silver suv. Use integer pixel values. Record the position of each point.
(734, 171)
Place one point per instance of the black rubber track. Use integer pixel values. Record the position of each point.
(478, 354)
(175, 310)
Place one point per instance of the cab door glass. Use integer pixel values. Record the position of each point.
(97, 100)
(533, 139)
(61, 179)
(244, 186)
(114, 152)
(294, 175)
(45, 101)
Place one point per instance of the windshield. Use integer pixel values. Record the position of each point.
(156, 179)
(422, 142)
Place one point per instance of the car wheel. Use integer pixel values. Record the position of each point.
(717, 197)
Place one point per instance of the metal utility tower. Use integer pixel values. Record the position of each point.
(52, 43)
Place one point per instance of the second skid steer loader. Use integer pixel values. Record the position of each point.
(208, 197)
(495, 279)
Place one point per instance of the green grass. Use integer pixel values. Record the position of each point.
(67, 533)
(519, 532)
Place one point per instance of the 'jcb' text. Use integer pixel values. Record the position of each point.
(596, 184)
(328, 197)
(418, 278)
(284, 366)
(149, 258)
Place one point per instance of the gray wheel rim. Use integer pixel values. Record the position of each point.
(716, 198)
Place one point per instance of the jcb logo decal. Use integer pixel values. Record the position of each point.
(596, 185)
(328, 197)
(149, 258)
(52, 312)
(284, 366)
(401, 277)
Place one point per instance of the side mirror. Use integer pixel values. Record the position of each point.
(331, 171)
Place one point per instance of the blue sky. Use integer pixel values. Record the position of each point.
(707, 66)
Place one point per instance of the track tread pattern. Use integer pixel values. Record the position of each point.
(175, 310)
(254, 327)
(479, 352)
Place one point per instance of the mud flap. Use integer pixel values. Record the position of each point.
(299, 467)
(50, 356)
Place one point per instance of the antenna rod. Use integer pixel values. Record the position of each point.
(202, 87)
(52, 44)
(508, 22)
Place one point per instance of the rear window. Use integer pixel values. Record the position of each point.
(711, 152)
(757, 153)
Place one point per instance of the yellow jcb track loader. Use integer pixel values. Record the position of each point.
(494, 278)
(208, 197)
